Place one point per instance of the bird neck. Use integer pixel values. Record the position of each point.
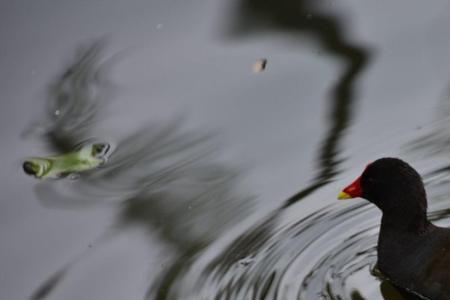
(410, 221)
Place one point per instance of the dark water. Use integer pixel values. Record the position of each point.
(222, 182)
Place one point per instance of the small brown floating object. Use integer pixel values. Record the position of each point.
(260, 65)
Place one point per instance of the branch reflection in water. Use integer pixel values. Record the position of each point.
(275, 252)
(164, 179)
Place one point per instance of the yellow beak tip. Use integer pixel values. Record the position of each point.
(343, 196)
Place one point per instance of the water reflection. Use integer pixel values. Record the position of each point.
(435, 138)
(298, 18)
(275, 255)
(164, 179)
(329, 254)
(433, 144)
(75, 97)
(167, 180)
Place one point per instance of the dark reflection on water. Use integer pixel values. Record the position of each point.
(274, 252)
(50, 283)
(74, 99)
(287, 255)
(322, 256)
(165, 179)
(168, 180)
(326, 254)
(305, 17)
(147, 172)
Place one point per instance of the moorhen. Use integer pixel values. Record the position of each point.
(413, 253)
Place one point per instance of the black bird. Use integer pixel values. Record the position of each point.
(413, 253)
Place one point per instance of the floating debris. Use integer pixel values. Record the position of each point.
(87, 158)
(260, 65)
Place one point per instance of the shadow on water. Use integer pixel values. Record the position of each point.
(163, 178)
(74, 99)
(305, 17)
(259, 281)
(298, 18)
(167, 180)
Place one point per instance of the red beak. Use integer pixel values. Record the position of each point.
(352, 191)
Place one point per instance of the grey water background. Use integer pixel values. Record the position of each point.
(222, 182)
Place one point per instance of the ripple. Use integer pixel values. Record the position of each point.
(330, 254)
(310, 258)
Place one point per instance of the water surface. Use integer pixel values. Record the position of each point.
(222, 182)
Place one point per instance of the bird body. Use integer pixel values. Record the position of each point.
(413, 253)
(417, 261)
